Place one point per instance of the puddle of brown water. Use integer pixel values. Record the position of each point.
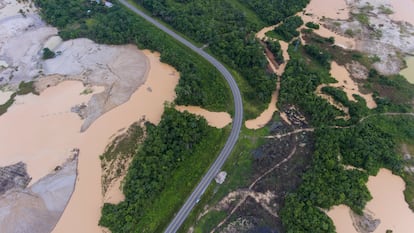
(334, 9)
(341, 74)
(388, 205)
(41, 130)
(408, 73)
(403, 10)
(215, 119)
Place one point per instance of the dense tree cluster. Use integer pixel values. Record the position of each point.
(200, 82)
(312, 25)
(357, 109)
(274, 47)
(392, 93)
(364, 142)
(369, 145)
(48, 54)
(288, 30)
(298, 84)
(274, 11)
(166, 147)
(323, 57)
(229, 33)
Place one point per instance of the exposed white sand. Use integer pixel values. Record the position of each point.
(53, 42)
(3, 64)
(215, 119)
(120, 69)
(4, 96)
(11, 7)
(114, 194)
(36, 209)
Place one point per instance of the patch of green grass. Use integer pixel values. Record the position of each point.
(198, 44)
(239, 169)
(362, 18)
(24, 89)
(86, 91)
(409, 177)
(385, 10)
(349, 32)
(5, 106)
(252, 109)
(248, 13)
(409, 189)
(367, 8)
(272, 34)
(208, 222)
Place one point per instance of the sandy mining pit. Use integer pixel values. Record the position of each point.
(119, 69)
(388, 37)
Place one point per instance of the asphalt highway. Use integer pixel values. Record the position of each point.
(231, 141)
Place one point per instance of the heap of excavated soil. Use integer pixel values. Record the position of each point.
(119, 69)
(37, 209)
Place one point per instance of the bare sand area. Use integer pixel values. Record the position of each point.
(408, 72)
(4, 96)
(261, 35)
(21, 42)
(83, 211)
(36, 209)
(120, 69)
(11, 7)
(388, 205)
(215, 119)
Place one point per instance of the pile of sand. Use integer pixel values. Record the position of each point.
(37, 209)
(119, 69)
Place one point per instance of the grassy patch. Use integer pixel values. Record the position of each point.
(5, 106)
(26, 88)
(239, 169)
(385, 10)
(362, 18)
(208, 222)
(252, 109)
(117, 156)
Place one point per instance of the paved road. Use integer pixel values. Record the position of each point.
(231, 141)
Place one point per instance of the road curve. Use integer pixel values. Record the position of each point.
(236, 126)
